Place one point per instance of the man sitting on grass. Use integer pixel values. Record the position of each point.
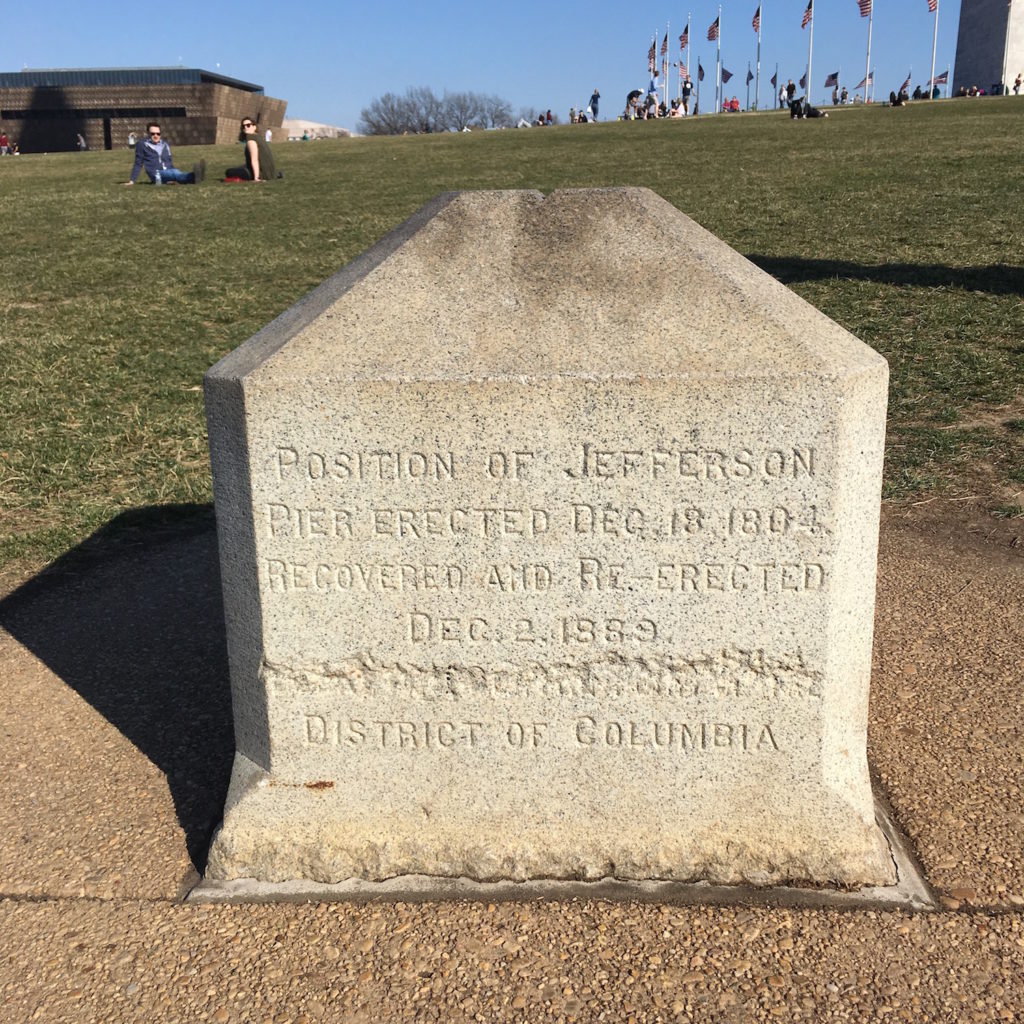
(155, 155)
(259, 161)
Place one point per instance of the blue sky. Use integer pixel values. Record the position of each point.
(329, 60)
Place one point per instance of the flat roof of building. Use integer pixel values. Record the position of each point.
(56, 78)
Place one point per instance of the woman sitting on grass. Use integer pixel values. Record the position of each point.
(259, 161)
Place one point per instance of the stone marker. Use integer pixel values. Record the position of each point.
(548, 531)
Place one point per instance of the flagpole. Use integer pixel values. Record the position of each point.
(665, 64)
(935, 40)
(654, 70)
(679, 80)
(867, 63)
(696, 106)
(776, 86)
(810, 54)
(748, 85)
(688, 53)
(718, 66)
(757, 82)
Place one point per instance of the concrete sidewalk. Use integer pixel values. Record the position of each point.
(115, 758)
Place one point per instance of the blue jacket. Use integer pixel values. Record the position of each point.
(153, 158)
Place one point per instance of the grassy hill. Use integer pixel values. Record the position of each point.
(906, 226)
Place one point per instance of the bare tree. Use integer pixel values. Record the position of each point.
(421, 111)
(387, 115)
(495, 112)
(428, 111)
(462, 110)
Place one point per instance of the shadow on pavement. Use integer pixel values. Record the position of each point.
(132, 619)
(996, 278)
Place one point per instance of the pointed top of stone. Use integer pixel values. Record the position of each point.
(594, 283)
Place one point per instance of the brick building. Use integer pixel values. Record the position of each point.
(45, 110)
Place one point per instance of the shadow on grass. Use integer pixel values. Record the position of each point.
(996, 278)
(132, 619)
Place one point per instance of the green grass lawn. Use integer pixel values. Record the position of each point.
(906, 226)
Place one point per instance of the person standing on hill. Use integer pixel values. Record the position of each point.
(594, 100)
(259, 160)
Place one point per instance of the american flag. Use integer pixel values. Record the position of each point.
(683, 72)
(803, 80)
(664, 45)
(700, 72)
(808, 14)
(750, 76)
(832, 79)
(684, 39)
(757, 20)
(933, 5)
(713, 31)
(865, 7)
(652, 57)
(940, 79)
(774, 80)
(906, 84)
(726, 75)
(870, 80)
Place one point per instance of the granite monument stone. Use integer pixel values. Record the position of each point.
(548, 533)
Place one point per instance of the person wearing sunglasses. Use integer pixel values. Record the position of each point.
(153, 154)
(259, 160)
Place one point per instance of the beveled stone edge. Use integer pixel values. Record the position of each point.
(256, 350)
(910, 892)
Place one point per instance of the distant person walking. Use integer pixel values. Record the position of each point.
(259, 160)
(133, 140)
(594, 100)
(154, 155)
(80, 143)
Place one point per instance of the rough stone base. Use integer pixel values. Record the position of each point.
(909, 889)
(275, 832)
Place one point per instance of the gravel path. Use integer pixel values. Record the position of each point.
(87, 961)
(115, 756)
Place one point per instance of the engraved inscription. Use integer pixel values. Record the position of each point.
(509, 465)
(585, 733)
(291, 463)
(686, 736)
(286, 521)
(607, 677)
(358, 732)
(693, 463)
(286, 576)
(528, 551)
(767, 577)
(460, 522)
